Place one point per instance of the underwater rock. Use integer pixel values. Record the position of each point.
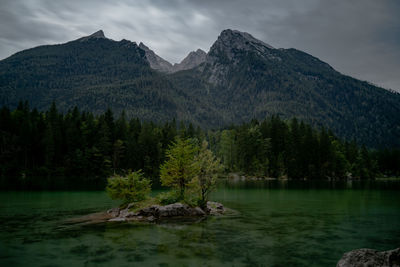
(370, 257)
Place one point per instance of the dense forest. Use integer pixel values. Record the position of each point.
(79, 150)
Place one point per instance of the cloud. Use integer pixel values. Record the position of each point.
(357, 37)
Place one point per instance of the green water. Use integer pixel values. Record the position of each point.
(274, 225)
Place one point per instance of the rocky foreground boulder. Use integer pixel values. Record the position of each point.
(157, 212)
(369, 257)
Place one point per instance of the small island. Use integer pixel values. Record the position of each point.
(155, 213)
(191, 173)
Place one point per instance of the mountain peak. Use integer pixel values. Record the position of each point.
(230, 42)
(200, 51)
(238, 37)
(97, 35)
(156, 62)
(143, 46)
(192, 60)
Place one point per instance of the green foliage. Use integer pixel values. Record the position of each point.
(275, 148)
(227, 148)
(132, 187)
(192, 175)
(78, 150)
(209, 168)
(169, 197)
(179, 168)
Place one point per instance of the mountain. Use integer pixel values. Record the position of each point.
(156, 62)
(194, 59)
(246, 78)
(239, 79)
(97, 35)
(92, 73)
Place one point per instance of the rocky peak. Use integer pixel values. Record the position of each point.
(230, 41)
(97, 35)
(239, 38)
(144, 47)
(156, 62)
(226, 53)
(192, 60)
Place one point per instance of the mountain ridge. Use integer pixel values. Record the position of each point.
(239, 79)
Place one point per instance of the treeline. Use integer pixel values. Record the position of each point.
(294, 150)
(79, 150)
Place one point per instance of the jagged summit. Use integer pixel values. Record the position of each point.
(192, 60)
(226, 46)
(97, 35)
(156, 62)
(239, 37)
(143, 46)
(231, 41)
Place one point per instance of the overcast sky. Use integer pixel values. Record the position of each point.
(360, 38)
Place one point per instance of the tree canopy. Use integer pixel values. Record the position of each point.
(180, 167)
(129, 188)
(79, 150)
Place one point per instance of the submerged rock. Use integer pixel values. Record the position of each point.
(370, 257)
(157, 212)
(215, 208)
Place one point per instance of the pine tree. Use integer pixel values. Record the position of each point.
(179, 168)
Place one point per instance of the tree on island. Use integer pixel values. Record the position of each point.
(209, 168)
(180, 167)
(187, 166)
(131, 188)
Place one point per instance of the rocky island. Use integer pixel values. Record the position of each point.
(155, 213)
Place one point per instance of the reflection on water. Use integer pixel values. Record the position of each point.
(276, 223)
(294, 184)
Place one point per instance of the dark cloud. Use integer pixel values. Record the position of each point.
(357, 37)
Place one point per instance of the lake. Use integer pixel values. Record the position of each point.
(274, 223)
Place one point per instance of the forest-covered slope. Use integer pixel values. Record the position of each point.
(247, 79)
(241, 78)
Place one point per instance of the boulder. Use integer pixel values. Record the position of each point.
(153, 210)
(114, 212)
(173, 210)
(126, 213)
(369, 257)
(214, 208)
(197, 211)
